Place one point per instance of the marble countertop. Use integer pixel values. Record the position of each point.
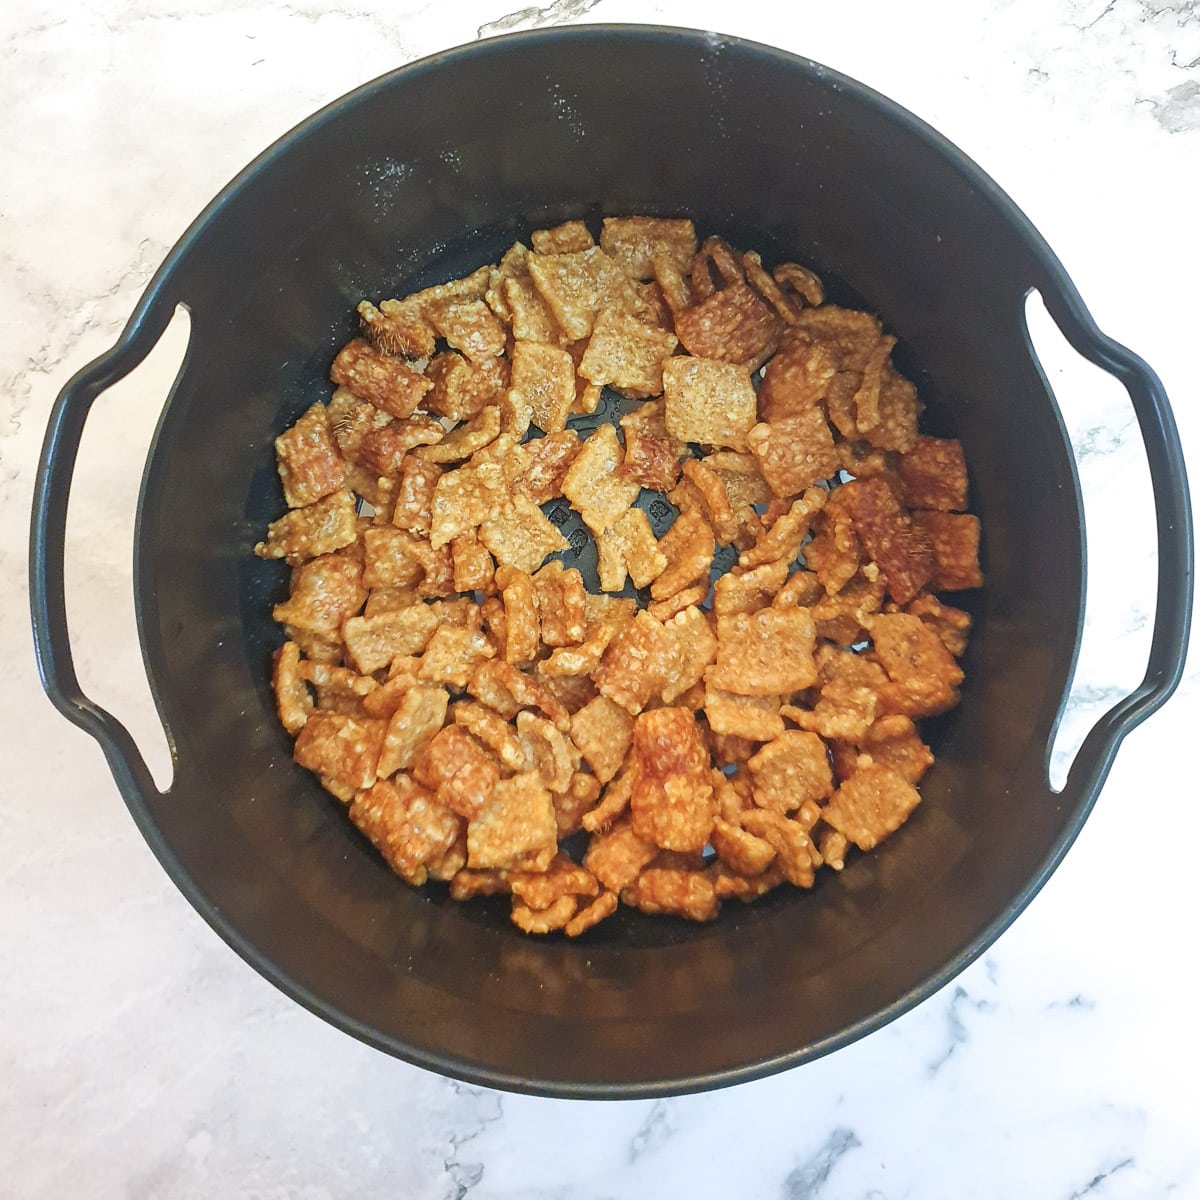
(140, 1057)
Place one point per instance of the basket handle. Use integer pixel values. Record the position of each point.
(1173, 518)
(52, 488)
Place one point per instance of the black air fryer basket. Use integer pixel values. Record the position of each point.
(423, 175)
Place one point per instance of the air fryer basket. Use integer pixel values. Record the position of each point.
(431, 171)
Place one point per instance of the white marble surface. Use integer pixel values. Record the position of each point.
(139, 1057)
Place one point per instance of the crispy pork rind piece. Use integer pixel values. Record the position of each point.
(339, 689)
(493, 731)
(292, 699)
(503, 687)
(417, 715)
(514, 822)
(545, 378)
(688, 547)
(954, 538)
(952, 625)
(593, 485)
(520, 535)
(568, 238)
(764, 653)
(871, 805)
(709, 402)
(381, 452)
(739, 473)
(755, 718)
(796, 379)
(740, 591)
(531, 318)
(802, 589)
(341, 749)
(629, 550)
(659, 890)
(732, 325)
(548, 752)
(351, 419)
(602, 730)
(325, 591)
(933, 474)
(794, 452)
(373, 642)
(617, 855)
(452, 654)
(889, 537)
(891, 742)
(571, 805)
(455, 766)
(845, 706)
(898, 408)
(614, 801)
(468, 326)
(474, 570)
(849, 337)
(627, 354)
(787, 530)
(386, 382)
(672, 802)
(606, 616)
(522, 632)
(406, 825)
(579, 286)
(393, 558)
(463, 388)
(465, 439)
(413, 509)
(463, 499)
(652, 455)
(309, 463)
(742, 852)
(638, 664)
(633, 243)
(321, 528)
(834, 553)
(664, 610)
(791, 770)
(543, 920)
(401, 331)
(695, 650)
(592, 914)
(543, 466)
(925, 677)
(561, 605)
(795, 853)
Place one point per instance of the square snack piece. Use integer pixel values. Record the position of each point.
(579, 285)
(791, 770)
(388, 383)
(627, 354)
(463, 500)
(933, 474)
(755, 718)
(602, 730)
(420, 713)
(954, 538)
(544, 377)
(310, 465)
(873, 803)
(592, 484)
(464, 775)
(633, 242)
(709, 402)
(651, 453)
(515, 821)
(764, 653)
(521, 535)
(341, 748)
(794, 452)
(732, 325)
(407, 826)
(321, 528)
(372, 642)
(469, 326)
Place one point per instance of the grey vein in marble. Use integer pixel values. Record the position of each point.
(806, 1181)
(558, 12)
(1100, 1177)
(658, 1129)
(956, 1026)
